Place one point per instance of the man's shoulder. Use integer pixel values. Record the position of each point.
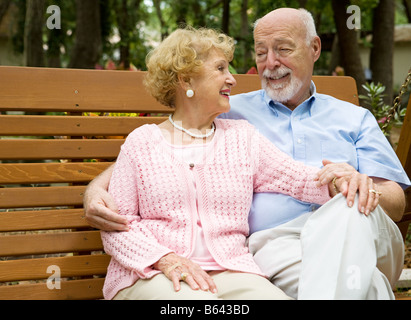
(338, 105)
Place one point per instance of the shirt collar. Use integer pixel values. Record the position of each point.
(275, 106)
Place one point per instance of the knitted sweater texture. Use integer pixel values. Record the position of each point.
(153, 191)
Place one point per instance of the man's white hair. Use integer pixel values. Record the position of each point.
(308, 21)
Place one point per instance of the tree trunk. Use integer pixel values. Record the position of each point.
(225, 25)
(302, 3)
(88, 43)
(124, 26)
(181, 10)
(382, 52)
(335, 56)
(407, 6)
(245, 35)
(350, 53)
(163, 26)
(55, 40)
(33, 33)
(4, 6)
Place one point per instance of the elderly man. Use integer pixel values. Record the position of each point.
(338, 251)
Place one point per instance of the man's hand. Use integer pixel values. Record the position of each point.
(349, 181)
(101, 211)
(100, 207)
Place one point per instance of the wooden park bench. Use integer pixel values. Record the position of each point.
(50, 150)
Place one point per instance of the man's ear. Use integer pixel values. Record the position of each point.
(316, 47)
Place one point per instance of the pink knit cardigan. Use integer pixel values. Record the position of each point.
(152, 189)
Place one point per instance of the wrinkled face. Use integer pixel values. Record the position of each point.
(285, 60)
(213, 86)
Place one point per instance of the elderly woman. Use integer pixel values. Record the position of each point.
(186, 185)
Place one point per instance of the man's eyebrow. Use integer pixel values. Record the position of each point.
(260, 44)
(283, 40)
(276, 40)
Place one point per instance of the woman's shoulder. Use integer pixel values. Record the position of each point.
(233, 124)
(142, 134)
(142, 130)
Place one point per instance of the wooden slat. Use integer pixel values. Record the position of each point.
(246, 83)
(44, 89)
(32, 173)
(408, 200)
(41, 197)
(343, 88)
(404, 144)
(403, 226)
(89, 289)
(42, 220)
(71, 125)
(70, 266)
(404, 155)
(44, 243)
(34, 149)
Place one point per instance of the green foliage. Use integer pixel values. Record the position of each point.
(145, 29)
(374, 100)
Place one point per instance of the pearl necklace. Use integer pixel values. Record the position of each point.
(197, 136)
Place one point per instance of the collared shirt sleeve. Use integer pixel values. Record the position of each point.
(376, 157)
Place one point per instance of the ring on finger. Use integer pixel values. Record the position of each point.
(184, 276)
(375, 192)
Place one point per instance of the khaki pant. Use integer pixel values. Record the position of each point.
(230, 286)
(333, 253)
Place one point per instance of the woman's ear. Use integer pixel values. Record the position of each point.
(184, 82)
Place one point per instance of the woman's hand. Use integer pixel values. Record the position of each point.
(178, 269)
(345, 179)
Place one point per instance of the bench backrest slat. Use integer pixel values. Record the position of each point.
(87, 289)
(70, 266)
(29, 220)
(48, 243)
(43, 89)
(72, 126)
(404, 143)
(38, 173)
(41, 197)
(14, 149)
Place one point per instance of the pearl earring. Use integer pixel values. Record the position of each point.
(190, 93)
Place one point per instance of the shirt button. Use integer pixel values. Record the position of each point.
(299, 141)
(191, 165)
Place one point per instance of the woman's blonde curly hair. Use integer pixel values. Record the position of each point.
(181, 55)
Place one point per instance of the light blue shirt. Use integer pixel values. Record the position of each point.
(322, 127)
